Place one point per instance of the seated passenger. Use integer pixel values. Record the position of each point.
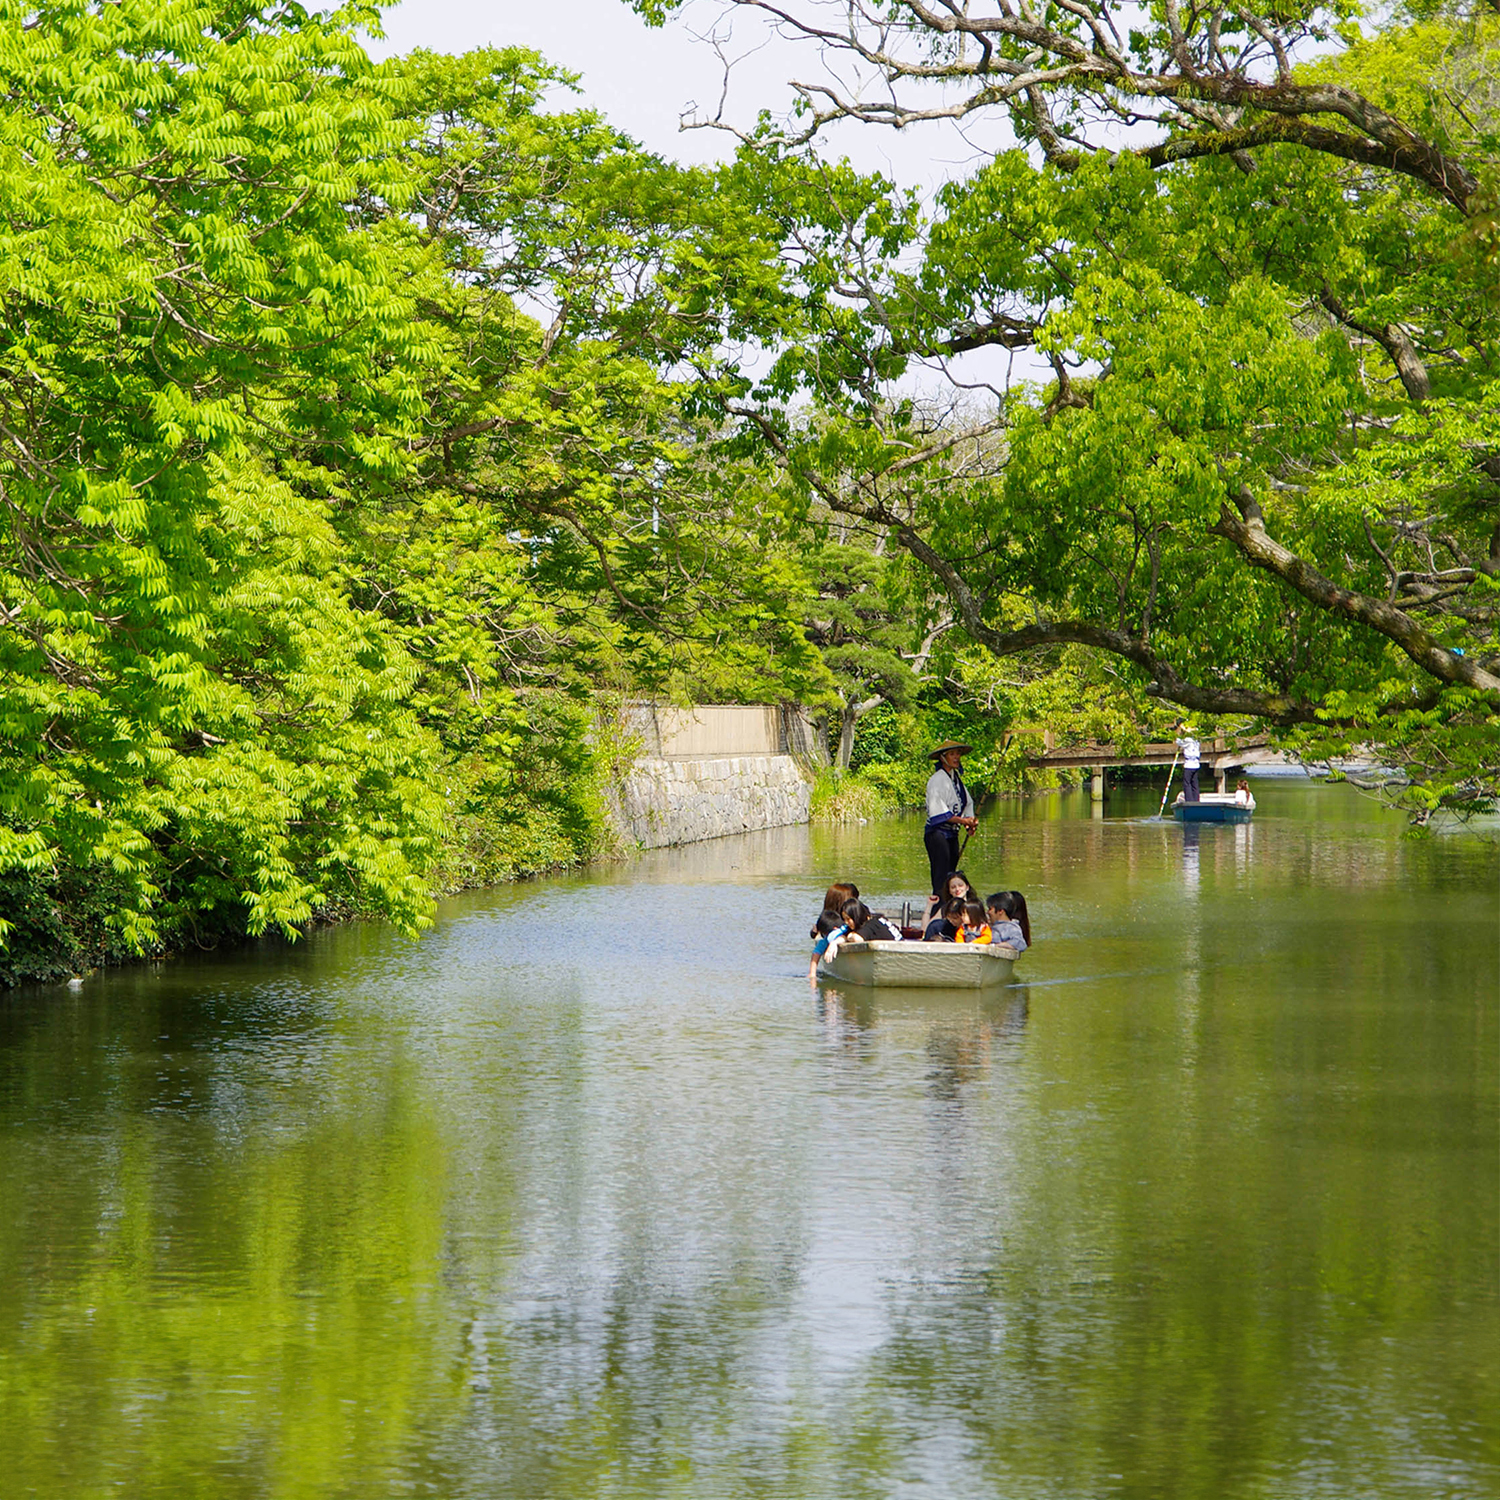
(856, 922)
(941, 929)
(1003, 909)
(956, 885)
(1015, 904)
(870, 925)
(1242, 795)
(838, 893)
(975, 929)
(830, 927)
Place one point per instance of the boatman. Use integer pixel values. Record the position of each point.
(949, 808)
(1191, 759)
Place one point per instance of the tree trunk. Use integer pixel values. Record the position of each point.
(851, 715)
(847, 720)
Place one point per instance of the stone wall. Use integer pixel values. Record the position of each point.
(665, 801)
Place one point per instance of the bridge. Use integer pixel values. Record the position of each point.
(1221, 755)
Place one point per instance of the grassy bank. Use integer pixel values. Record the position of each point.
(880, 788)
(870, 792)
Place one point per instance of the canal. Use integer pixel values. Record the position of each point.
(589, 1194)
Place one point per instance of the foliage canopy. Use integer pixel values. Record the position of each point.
(1264, 476)
(367, 433)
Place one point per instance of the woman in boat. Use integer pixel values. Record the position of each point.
(835, 896)
(1016, 906)
(1009, 922)
(1242, 794)
(944, 927)
(956, 887)
(949, 809)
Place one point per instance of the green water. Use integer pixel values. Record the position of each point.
(588, 1194)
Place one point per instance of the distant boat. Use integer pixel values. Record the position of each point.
(925, 966)
(1212, 807)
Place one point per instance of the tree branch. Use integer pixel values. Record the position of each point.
(1393, 339)
(1089, 62)
(1167, 682)
(1248, 533)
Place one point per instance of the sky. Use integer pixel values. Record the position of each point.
(646, 80)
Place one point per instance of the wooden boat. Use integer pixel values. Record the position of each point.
(922, 966)
(1212, 807)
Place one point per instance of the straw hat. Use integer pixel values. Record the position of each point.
(947, 745)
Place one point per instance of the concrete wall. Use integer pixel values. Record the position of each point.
(706, 733)
(665, 800)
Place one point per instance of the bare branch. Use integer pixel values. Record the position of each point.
(1214, 100)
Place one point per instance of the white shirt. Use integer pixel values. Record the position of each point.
(1190, 752)
(942, 797)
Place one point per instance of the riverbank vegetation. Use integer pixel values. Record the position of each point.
(369, 432)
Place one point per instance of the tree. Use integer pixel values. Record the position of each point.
(194, 714)
(323, 555)
(1264, 474)
(563, 535)
(876, 652)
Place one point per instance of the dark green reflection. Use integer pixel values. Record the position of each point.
(221, 1245)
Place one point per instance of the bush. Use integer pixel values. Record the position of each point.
(870, 792)
(499, 831)
(57, 926)
(883, 735)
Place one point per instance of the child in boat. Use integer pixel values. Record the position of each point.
(942, 928)
(870, 925)
(830, 927)
(834, 929)
(1004, 909)
(975, 928)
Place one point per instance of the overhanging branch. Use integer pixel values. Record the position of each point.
(1166, 681)
(1248, 533)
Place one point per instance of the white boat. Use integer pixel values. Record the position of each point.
(925, 966)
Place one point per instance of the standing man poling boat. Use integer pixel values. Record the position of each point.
(1192, 756)
(949, 808)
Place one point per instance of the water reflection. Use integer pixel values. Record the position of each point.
(1192, 835)
(1204, 1205)
(959, 1034)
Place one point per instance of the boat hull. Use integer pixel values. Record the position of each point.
(923, 966)
(1211, 812)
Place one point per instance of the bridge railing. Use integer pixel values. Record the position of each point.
(1221, 750)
